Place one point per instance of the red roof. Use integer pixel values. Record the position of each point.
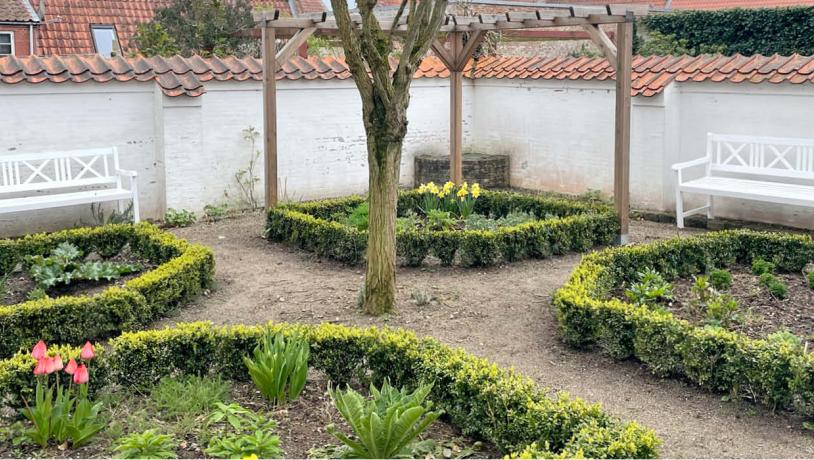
(17, 11)
(68, 27)
(186, 76)
(724, 4)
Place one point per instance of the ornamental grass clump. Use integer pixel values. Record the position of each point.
(60, 413)
(279, 366)
(386, 424)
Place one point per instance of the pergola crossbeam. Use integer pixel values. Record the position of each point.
(293, 44)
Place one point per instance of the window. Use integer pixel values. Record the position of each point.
(6, 43)
(106, 41)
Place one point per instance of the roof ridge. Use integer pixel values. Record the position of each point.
(179, 75)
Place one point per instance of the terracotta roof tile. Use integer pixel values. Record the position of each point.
(17, 11)
(186, 76)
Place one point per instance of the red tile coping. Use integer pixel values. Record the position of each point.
(186, 76)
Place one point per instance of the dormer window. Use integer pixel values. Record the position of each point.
(106, 41)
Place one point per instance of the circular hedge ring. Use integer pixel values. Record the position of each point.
(775, 373)
(564, 225)
(484, 401)
(183, 270)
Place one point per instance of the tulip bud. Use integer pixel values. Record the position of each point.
(71, 367)
(57, 363)
(39, 350)
(39, 369)
(87, 352)
(81, 375)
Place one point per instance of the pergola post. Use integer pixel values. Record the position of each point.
(456, 78)
(270, 113)
(621, 164)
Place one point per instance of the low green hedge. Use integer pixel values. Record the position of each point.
(571, 226)
(769, 372)
(184, 270)
(483, 400)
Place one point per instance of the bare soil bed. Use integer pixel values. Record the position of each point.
(502, 313)
(759, 313)
(20, 283)
(301, 426)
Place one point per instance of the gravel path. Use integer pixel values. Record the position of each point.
(501, 313)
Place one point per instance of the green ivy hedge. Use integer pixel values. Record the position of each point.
(746, 31)
(184, 270)
(571, 226)
(480, 398)
(773, 373)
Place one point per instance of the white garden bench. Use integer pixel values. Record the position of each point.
(775, 170)
(32, 181)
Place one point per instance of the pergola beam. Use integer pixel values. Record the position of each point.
(270, 115)
(294, 43)
(603, 41)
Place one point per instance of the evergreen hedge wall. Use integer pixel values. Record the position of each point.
(746, 31)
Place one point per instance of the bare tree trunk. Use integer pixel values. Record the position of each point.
(380, 284)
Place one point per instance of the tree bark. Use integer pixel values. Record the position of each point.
(380, 284)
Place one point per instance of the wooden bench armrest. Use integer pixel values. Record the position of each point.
(689, 164)
(127, 172)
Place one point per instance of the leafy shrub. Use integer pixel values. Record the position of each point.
(358, 218)
(785, 337)
(760, 266)
(410, 221)
(188, 395)
(484, 401)
(720, 308)
(771, 373)
(570, 225)
(776, 287)
(810, 278)
(242, 433)
(702, 289)
(64, 266)
(650, 289)
(440, 220)
(279, 367)
(480, 222)
(147, 444)
(184, 270)
(721, 279)
(179, 218)
(215, 212)
(387, 423)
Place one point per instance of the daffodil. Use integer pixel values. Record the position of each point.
(475, 190)
(250, 457)
(449, 186)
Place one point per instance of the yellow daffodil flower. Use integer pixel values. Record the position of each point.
(475, 190)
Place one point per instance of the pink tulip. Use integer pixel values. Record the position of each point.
(71, 367)
(39, 350)
(51, 364)
(39, 369)
(57, 363)
(81, 375)
(87, 352)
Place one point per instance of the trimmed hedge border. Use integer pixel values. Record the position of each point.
(578, 226)
(771, 373)
(483, 400)
(185, 270)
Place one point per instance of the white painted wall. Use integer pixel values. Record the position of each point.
(559, 135)
(65, 116)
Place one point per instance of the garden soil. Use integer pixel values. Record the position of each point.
(502, 313)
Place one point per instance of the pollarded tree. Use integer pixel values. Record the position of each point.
(385, 91)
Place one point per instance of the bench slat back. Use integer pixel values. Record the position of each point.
(28, 172)
(768, 156)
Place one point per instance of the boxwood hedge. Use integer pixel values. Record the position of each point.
(774, 373)
(183, 271)
(484, 401)
(565, 225)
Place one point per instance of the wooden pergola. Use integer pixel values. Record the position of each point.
(458, 39)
